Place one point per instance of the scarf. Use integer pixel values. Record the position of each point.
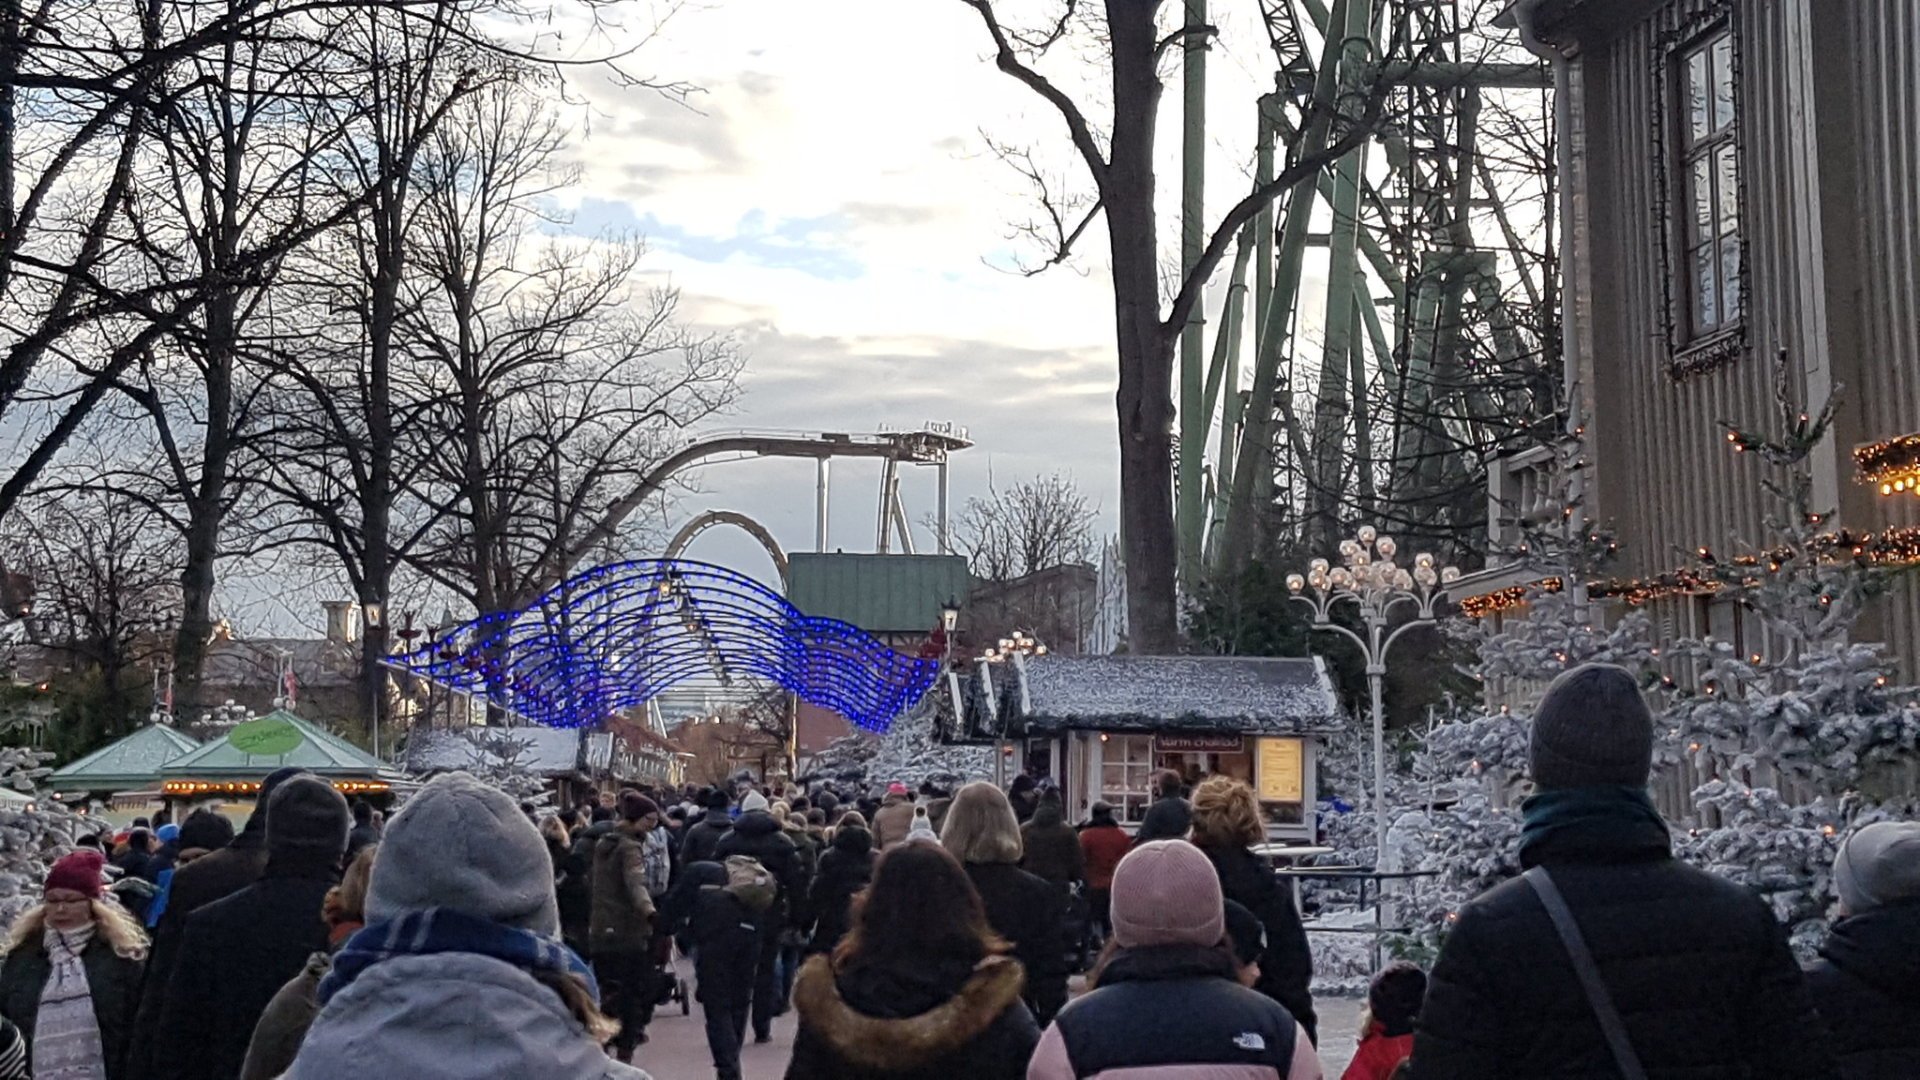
(438, 930)
(1605, 818)
(66, 1034)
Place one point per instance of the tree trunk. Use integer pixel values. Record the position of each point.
(1145, 349)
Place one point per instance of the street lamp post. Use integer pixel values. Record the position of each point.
(1369, 579)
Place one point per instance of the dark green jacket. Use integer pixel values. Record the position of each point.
(113, 980)
(622, 917)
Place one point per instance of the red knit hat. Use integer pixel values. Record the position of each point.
(79, 871)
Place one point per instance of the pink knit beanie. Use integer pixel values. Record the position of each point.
(1166, 893)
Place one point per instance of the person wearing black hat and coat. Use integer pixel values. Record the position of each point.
(1695, 965)
(726, 952)
(236, 953)
(845, 868)
(194, 885)
(757, 835)
(1866, 983)
(702, 836)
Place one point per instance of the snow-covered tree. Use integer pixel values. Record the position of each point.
(910, 752)
(1807, 712)
(31, 839)
(495, 758)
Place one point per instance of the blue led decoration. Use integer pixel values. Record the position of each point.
(617, 635)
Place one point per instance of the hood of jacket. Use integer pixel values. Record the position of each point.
(1048, 815)
(717, 816)
(1880, 948)
(756, 823)
(1158, 963)
(450, 1016)
(852, 839)
(893, 1020)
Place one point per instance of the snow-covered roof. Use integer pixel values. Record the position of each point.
(549, 751)
(130, 764)
(1262, 696)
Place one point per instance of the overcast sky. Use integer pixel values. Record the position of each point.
(830, 194)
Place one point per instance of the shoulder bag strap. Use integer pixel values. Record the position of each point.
(1601, 1001)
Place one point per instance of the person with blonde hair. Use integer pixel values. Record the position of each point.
(71, 978)
(983, 834)
(1226, 826)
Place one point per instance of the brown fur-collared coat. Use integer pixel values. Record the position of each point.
(939, 1021)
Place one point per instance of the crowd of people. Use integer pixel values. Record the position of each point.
(930, 935)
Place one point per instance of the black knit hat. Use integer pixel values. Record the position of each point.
(1245, 933)
(1592, 729)
(306, 814)
(206, 830)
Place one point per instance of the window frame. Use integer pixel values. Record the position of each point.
(1695, 347)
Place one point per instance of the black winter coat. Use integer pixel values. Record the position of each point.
(112, 981)
(939, 1021)
(725, 935)
(213, 876)
(1175, 1005)
(845, 869)
(1031, 913)
(1866, 986)
(1167, 819)
(234, 956)
(1051, 848)
(1286, 967)
(1696, 965)
(758, 835)
(574, 890)
(703, 836)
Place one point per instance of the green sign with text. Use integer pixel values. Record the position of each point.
(265, 737)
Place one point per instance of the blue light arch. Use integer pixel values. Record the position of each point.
(617, 635)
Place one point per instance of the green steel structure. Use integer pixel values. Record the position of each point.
(1427, 343)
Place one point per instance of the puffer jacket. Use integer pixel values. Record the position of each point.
(622, 918)
(1174, 1012)
(892, 821)
(939, 1021)
(1866, 985)
(1050, 848)
(845, 869)
(451, 1016)
(1696, 965)
(701, 837)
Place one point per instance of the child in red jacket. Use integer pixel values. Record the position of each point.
(1386, 1036)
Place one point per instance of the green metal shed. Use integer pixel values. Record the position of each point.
(131, 764)
(236, 763)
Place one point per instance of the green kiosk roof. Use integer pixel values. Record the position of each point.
(131, 764)
(274, 741)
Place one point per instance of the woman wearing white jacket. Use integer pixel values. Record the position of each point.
(459, 972)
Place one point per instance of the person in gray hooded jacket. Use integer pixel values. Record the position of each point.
(460, 971)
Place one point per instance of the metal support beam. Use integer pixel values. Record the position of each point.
(822, 524)
(1190, 507)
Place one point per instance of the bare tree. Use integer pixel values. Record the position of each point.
(554, 381)
(1034, 525)
(1131, 44)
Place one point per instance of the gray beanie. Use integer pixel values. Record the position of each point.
(1878, 865)
(461, 845)
(1592, 729)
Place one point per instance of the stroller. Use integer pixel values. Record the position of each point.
(673, 986)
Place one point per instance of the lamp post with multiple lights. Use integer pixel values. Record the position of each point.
(1369, 579)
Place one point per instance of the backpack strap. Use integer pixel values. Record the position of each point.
(1598, 998)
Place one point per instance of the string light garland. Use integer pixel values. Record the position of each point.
(1892, 465)
(618, 635)
(1891, 547)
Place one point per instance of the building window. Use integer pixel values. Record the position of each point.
(1709, 186)
(1697, 184)
(1126, 774)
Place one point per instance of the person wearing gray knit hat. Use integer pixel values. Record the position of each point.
(1878, 866)
(466, 847)
(1592, 729)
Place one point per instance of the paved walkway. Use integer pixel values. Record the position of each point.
(677, 1047)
